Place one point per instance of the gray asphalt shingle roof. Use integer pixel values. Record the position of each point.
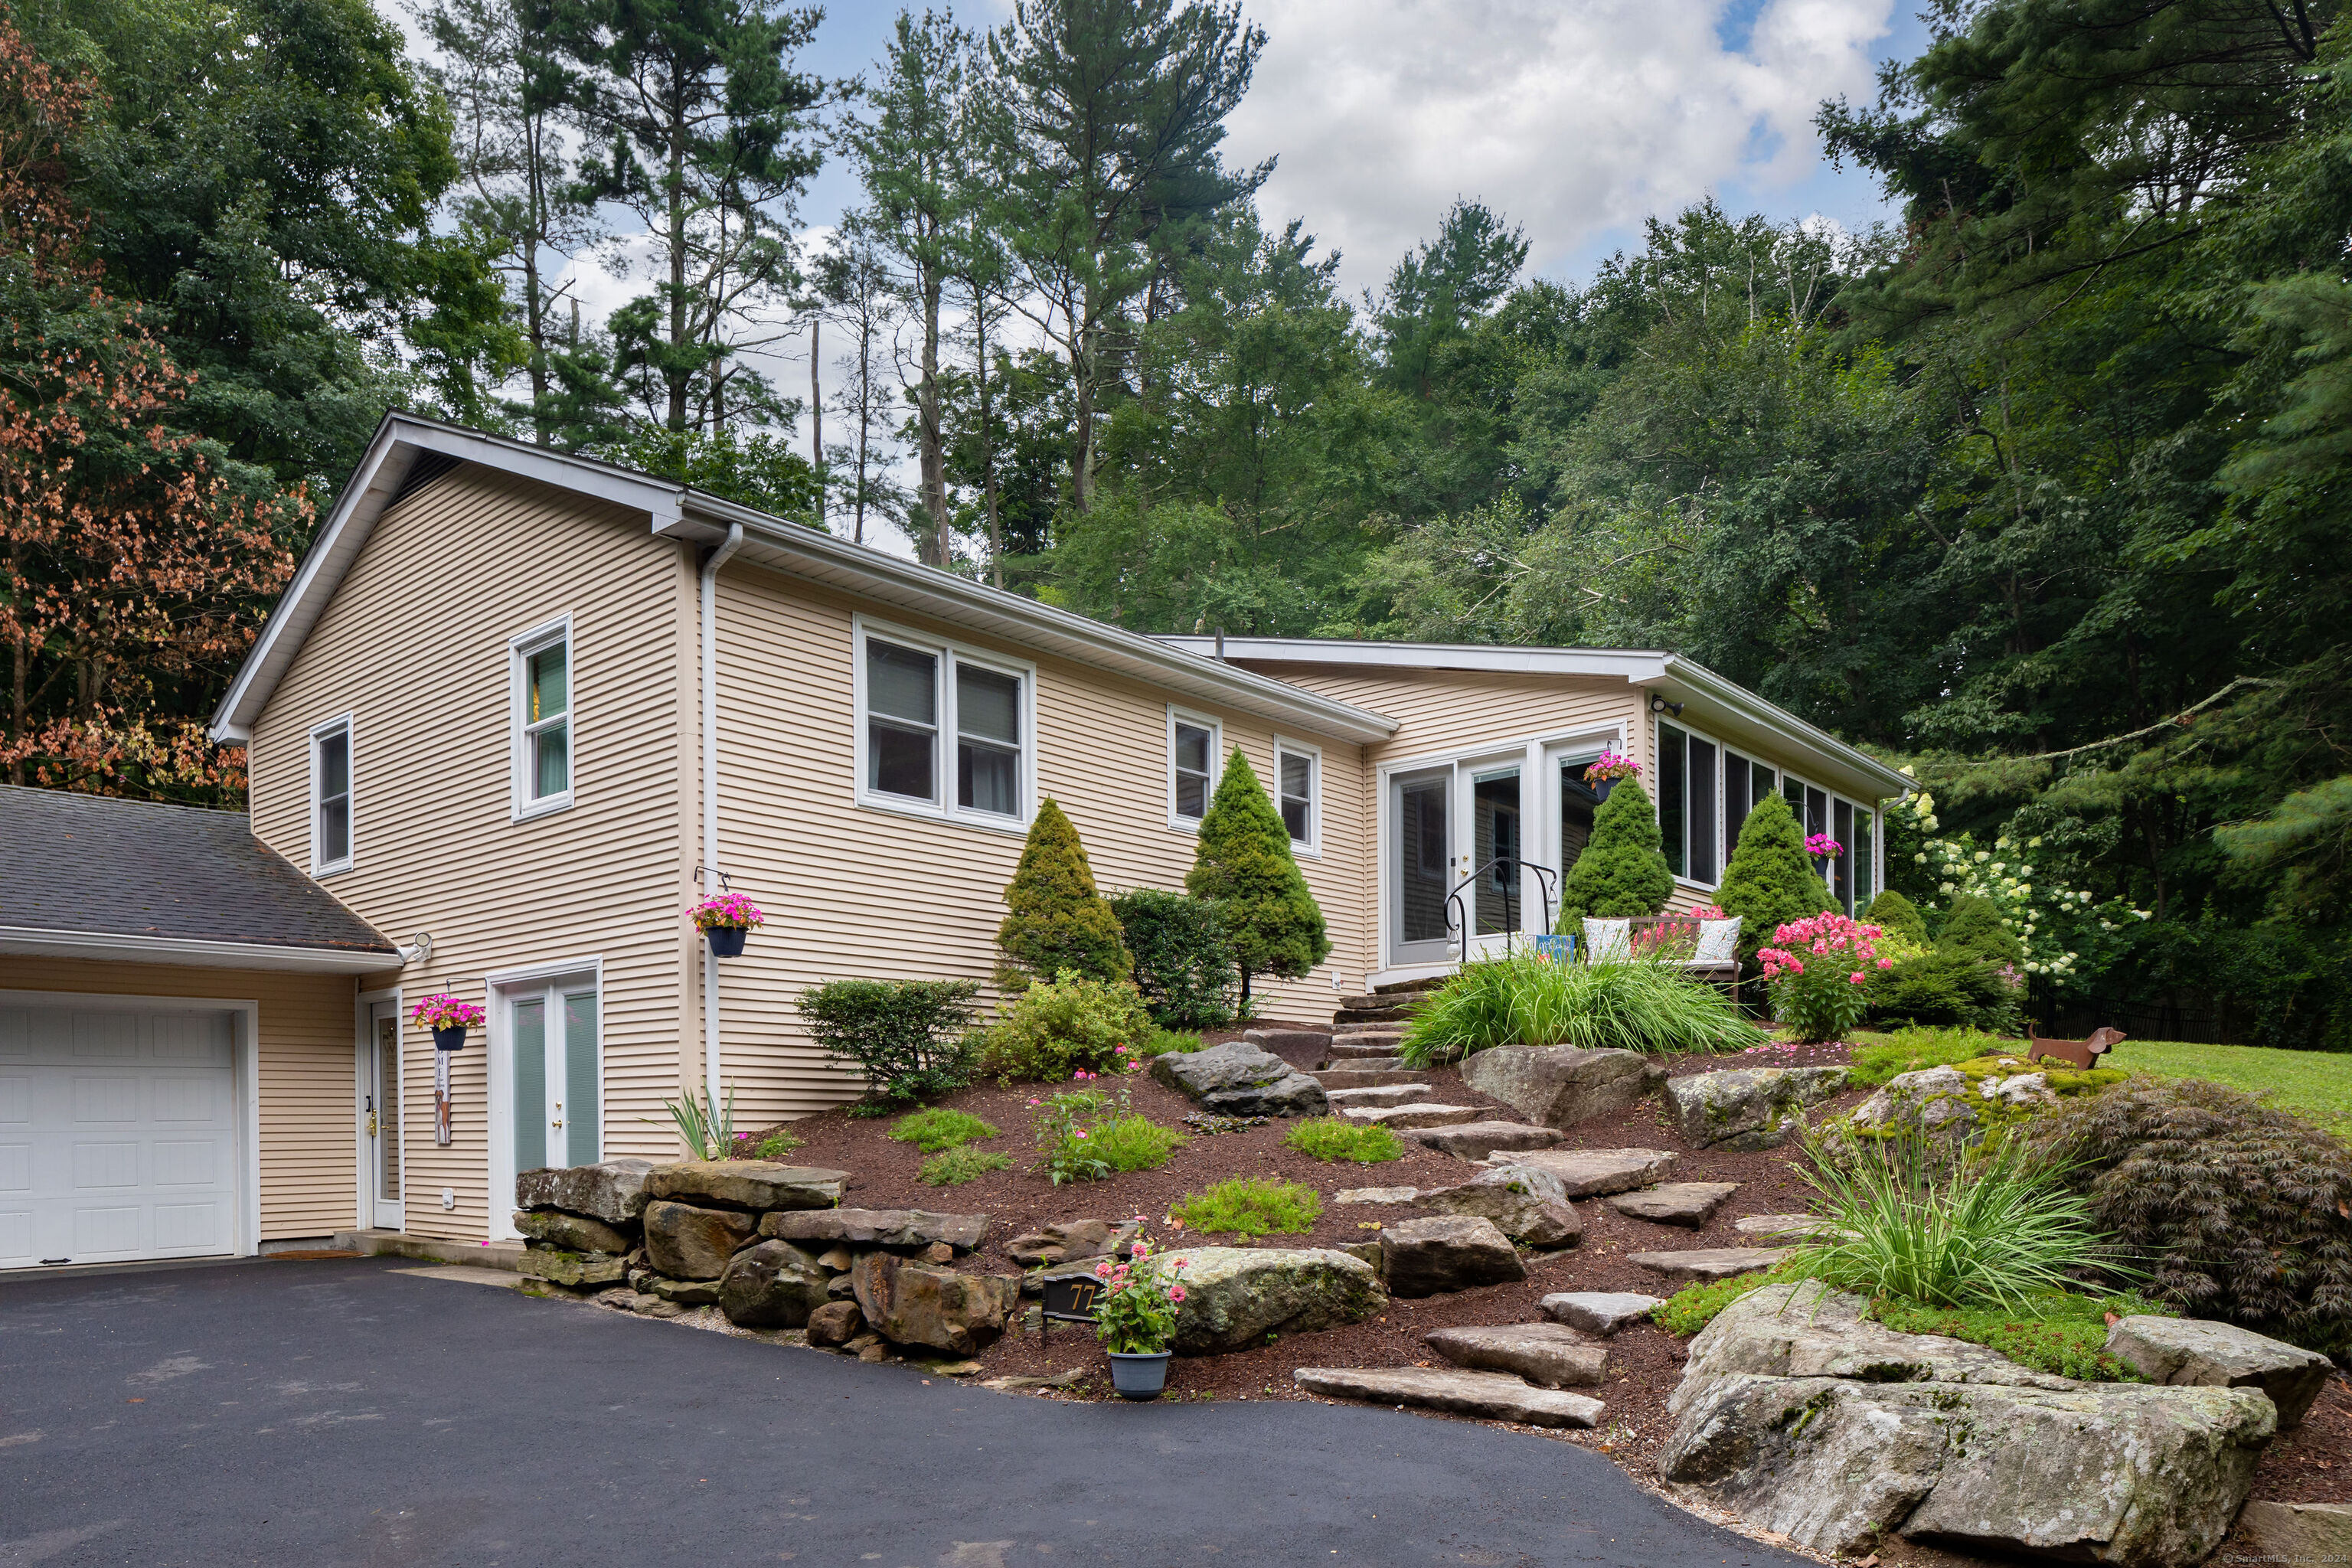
(128, 867)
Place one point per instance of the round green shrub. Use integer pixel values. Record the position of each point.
(1622, 871)
(1770, 881)
(1244, 862)
(1898, 917)
(1973, 924)
(1055, 919)
(1183, 960)
(2242, 1212)
(1060, 1026)
(1950, 987)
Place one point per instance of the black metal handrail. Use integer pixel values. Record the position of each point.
(1457, 913)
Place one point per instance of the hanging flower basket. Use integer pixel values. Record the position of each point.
(448, 1017)
(1603, 772)
(1822, 846)
(728, 921)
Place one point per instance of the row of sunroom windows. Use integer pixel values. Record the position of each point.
(1705, 792)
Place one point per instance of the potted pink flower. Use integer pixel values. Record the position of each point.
(1136, 1320)
(448, 1017)
(1603, 772)
(728, 920)
(1822, 846)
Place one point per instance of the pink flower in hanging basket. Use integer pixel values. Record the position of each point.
(443, 1011)
(1822, 846)
(1611, 764)
(728, 911)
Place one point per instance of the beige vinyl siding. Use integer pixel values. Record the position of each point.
(415, 647)
(859, 891)
(306, 1039)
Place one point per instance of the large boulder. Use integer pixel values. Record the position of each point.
(1447, 1252)
(690, 1243)
(2298, 1532)
(1800, 1416)
(774, 1285)
(909, 1228)
(1747, 1109)
(1236, 1295)
(614, 1192)
(2190, 1352)
(755, 1184)
(1594, 1173)
(574, 1233)
(1071, 1240)
(918, 1304)
(575, 1270)
(1237, 1078)
(1932, 1103)
(1522, 1201)
(1561, 1085)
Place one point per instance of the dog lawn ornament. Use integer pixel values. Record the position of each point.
(2082, 1054)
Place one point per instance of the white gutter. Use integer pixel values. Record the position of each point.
(38, 942)
(710, 800)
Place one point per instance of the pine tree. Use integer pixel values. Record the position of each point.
(1898, 917)
(1056, 919)
(1622, 871)
(1244, 862)
(1770, 880)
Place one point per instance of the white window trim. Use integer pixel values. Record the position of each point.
(1312, 845)
(351, 794)
(1216, 729)
(520, 648)
(942, 808)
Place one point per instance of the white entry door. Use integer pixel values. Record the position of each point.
(118, 1132)
(558, 1072)
(381, 1118)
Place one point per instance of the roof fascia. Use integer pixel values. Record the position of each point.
(1699, 680)
(803, 552)
(399, 440)
(37, 942)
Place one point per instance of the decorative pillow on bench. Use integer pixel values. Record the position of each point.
(1607, 942)
(1718, 942)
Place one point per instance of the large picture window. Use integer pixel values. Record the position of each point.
(1690, 818)
(543, 730)
(943, 730)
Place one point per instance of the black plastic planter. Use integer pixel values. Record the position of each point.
(727, 941)
(453, 1039)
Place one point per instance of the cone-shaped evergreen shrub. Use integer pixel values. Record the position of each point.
(1621, 871)
(1898, 917)
(1973, 925)
(1055, 918)
(1244, 862)
(1770, 880)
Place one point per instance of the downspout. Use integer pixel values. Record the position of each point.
(709, 574)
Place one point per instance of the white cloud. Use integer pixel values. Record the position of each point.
(1572, 118)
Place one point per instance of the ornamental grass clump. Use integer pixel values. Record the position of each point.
(1330, 1138)
(1997, 1231)
(1250, 1205)
(1525, 998)
(1816, 973)
(961, 1164)
(938, 1128)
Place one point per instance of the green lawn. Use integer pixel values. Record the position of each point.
(2317, 1084)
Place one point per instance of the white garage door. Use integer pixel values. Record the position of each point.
(117, 1133)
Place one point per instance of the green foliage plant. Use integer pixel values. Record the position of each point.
(1817, 971)
(1243, 861)
(1134, 1142)
(1055, 919)
(954, 1167)
(1949, 986)
(1897, 918)
(1065, 1026)
(1161, 1042)
(1914, 1050)
(1622, 871)
(1060, 1126)
(1997, 1230)
(1330, 1138)
(1250, 1206)
(706, 1131)
(2244, 1212)
(2058, 1331)
(905, 1035)
(1136, 1314)
(1769, 881)
(1525, 998)
(1694, 1306)
(938, 1128)
(771, 1146)
(1183, 961)
(1973, 925)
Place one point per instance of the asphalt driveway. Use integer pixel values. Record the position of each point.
(334, 1413)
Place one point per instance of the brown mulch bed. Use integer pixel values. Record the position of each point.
(2314, 1464)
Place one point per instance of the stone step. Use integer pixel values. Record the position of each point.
(1787, 1227)
(1367, 1032)
(1342, 1046)
(1367, 1064)
(1363, 1078)
(1386, 1094)
(1402, 1117)
(1344, 1020)
(1480, 1139)
(1550, 1356)
(1600, 1313)
(1376, 1196)
(1489, 1395)
(1691, 1204)
(1595, 1172)
(1410, 987)
(1709, 1264)
(1362, 1003)
(1279, 1040)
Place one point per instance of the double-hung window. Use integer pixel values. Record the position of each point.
(1192, 757)
(330, 796)
(542, 727)
(1689, 801)
(943, 731)
(1298, 774)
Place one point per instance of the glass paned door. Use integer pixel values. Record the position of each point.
(558, 1074)
(380, 1117)
(1421, 865)
(1495, 852)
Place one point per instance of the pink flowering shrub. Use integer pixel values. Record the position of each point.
(1136, 1314)
(1612, 766)
(443, 1011)
(727, 910)
(1816, 973)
